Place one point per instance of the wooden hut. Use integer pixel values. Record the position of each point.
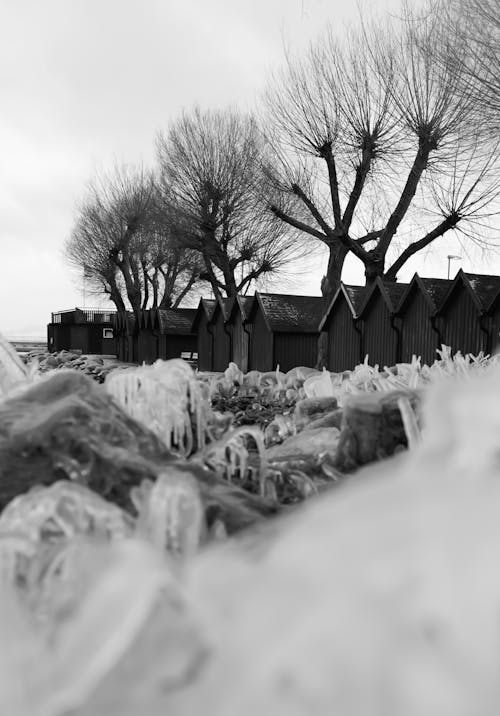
(380, 324)
(465, 313)
(222, 349)
(147, 338)
(285, 331)
(417, 310)
(126, 336)
(174, 330)
(202, 328)
(240, 330)
(493, 313)
(344, 331)
(89, 330)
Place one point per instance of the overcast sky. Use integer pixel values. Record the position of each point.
(85, 83)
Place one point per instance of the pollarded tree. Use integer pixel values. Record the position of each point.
(126, 248)
(470, 36)
(367, 131)
(210, 164)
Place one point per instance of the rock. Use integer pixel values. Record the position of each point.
(372, 428)
(310, 409)
(66, 426)
(308, 443)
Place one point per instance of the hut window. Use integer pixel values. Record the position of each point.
(107, 333)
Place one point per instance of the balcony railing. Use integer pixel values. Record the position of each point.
(83, 315)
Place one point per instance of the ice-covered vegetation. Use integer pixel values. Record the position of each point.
(124, 588)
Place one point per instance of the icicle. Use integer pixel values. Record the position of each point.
(166, 397)
(410, 423)
(171, 514)
(13, 372)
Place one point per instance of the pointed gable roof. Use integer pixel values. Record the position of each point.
(391, 293)
(243, 305)
(432, 289)
(289, 313)
(205, 308)
(485, 286)
(482, 288)
(224, 306)
(353, 295)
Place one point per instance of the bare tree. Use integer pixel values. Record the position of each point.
(368, 133)
(469, 44)
(210, 164)
(125, 246)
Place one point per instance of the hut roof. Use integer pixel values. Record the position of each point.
(354, 297)
(224, 306)
(391, 292)
(436, 289)
(433, 290)
(243, 304)
(482, 288)
(175, 320)
(205, 308)
(485, 286)
(289, 313)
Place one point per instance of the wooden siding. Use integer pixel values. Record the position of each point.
(344, 341)
(84, 337)
(261, 344)
(380, 340)
(494, 346)
(459, 323)
(239, 342)
(205, 344)
(147, 346)
(295, 349)
(418, 337)
(222, 344)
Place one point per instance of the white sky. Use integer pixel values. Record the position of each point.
(85, 83)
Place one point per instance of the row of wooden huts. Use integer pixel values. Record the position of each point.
(390, 322)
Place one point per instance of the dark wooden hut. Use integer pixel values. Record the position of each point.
(341, 323)
(465, 314)
(417, 310)
(493, 312)
(222, 348)
(285, 331)
(240, 330)
(202, 328)
(174, 330)
(89, 330)
(147, 338)
(126, 336)
(380, 324)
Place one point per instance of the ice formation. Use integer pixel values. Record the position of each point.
(13, 372)
(167, 398)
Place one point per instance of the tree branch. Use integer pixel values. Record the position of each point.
(448, 223)
(298, 191)
(300, 225)
(370, 236)
(362, 171)
(416, 171)
(327, 155)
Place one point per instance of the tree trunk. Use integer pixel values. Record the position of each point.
(374, 267)
(115, 296)
(155, 288)
(329, 286)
